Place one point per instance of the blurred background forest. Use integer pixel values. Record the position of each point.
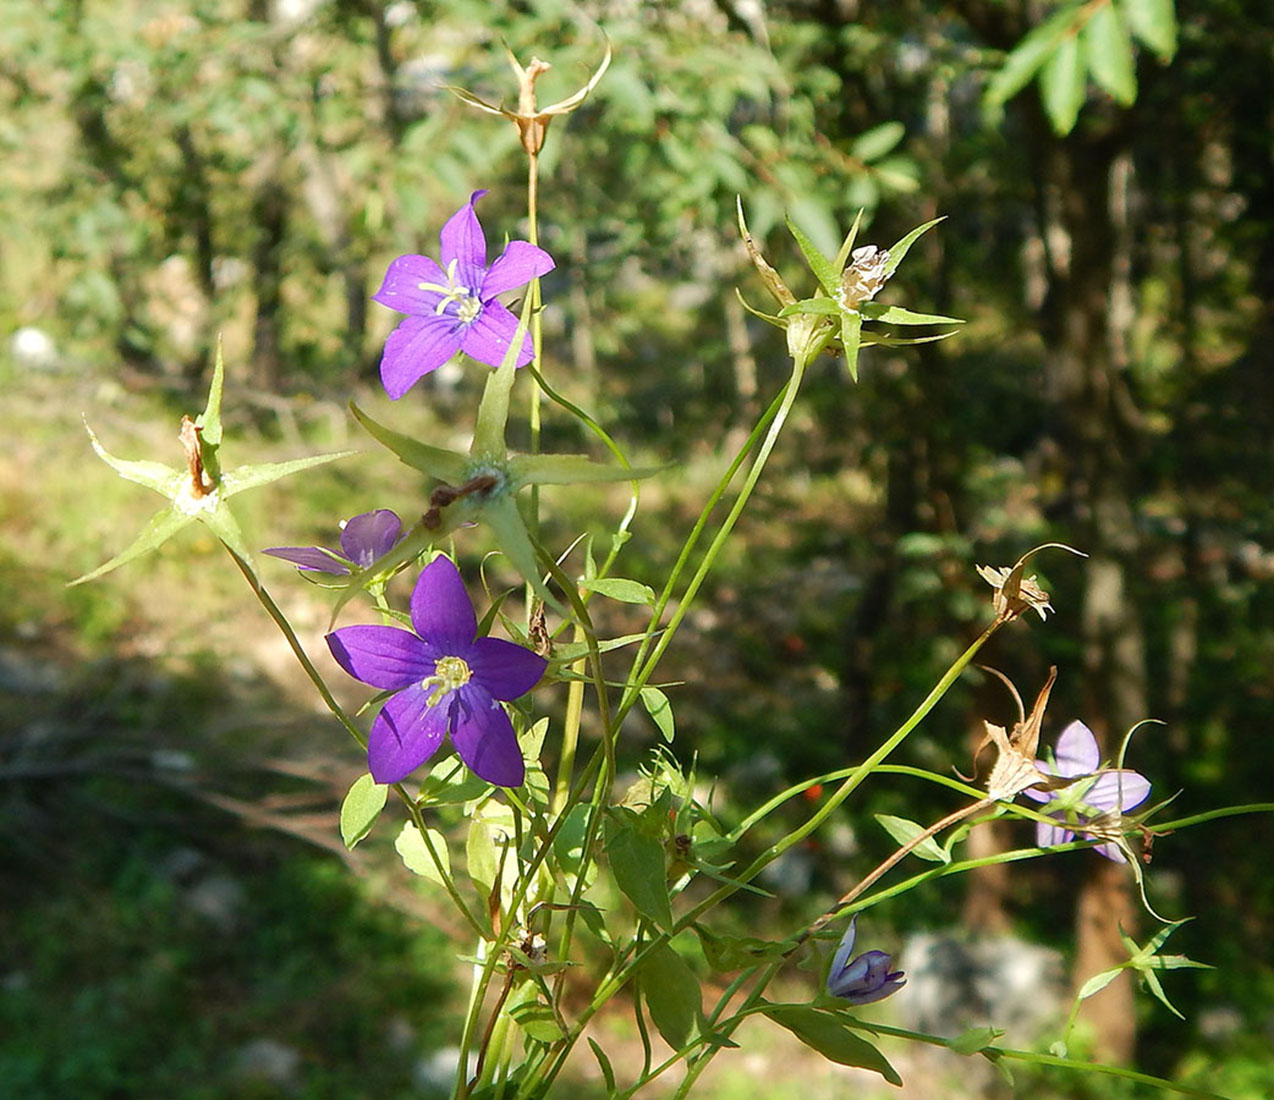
(177, 917)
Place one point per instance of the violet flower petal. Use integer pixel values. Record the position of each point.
(1077, 752)
(462, 240)
(407, 731)
(1050, 836)
(484, 738)
(382, 656)
(1111, 851)
(441, 610)
(505, 669)
(369, 536)
(1117, 790)
(401, 290)
(516, 265)
(312, 559)
(417, 346)
(488, 337)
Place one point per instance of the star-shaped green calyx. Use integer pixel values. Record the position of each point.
(201, 490)
(847, 285)
(483, 485)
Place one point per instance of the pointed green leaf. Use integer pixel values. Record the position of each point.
(851, 333)
(1155, 23)
(902, 246)
(828, 1034)
(1152, 983)
(209, 421)
(153, 475)
(433, 461)
(411, 846)
(660, 710)
(621, 589)
(877, 141)
(1062, 84)
(509, 530)
(572, 470)
(904, 832)
(672, 995)
(638, 864)
(1026, 58)
(493, 409)
(361, 808)
(897, 315)
(1098, 982)
(847, 246)
(162, 526)
(817, 307)
(249, 477)
(1108, 51)
(608, 1073)
(221, 522)
(770, 318)
(827, 275)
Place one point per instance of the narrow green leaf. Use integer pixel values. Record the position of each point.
(826, 274)
(638, 864)
(672, 995)
(1098, 982)
(1154, 22)
(1062, 84)
(209, 421)
(815, 307)
(608, 1072)
(904, 832)
(1026, 58)
(897, 315)
(618, 588)
(361, 808)
(851, 334)
(877, 141)
(153, 475)
(410, 845)
(249, 477)
(1108, 51)
(660, 710)
(433, 461)
(161, 527)
(903, 244)
(509, 529)
(827, 1033)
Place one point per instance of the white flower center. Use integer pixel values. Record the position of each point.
(450, 673)
(468, 304)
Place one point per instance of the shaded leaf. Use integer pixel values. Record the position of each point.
(1108, 51)
(638, 864)
(904, 832)
(411, 846)
(660, 711)
(827, 1033)
(672, 995)
(361, 808)
(618, 588)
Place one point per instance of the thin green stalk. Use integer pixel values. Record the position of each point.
(643, 671)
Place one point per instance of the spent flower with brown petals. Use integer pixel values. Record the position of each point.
(1015, 593)
(532, 121)
(1015, 768)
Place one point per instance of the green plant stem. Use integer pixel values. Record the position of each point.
(280, 620)
(642, 671)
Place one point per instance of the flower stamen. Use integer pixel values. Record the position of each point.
(450, 674)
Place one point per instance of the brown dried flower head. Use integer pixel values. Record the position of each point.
(864, 276)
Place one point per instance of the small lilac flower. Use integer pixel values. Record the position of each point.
(364, 539)
(866, 979)
(445, 679)
(453, 307)
(1094, 803)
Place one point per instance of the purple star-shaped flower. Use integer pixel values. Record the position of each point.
(867, 978)
(453, 307)
(1094, 803)
(364, 538)
(445, 679)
